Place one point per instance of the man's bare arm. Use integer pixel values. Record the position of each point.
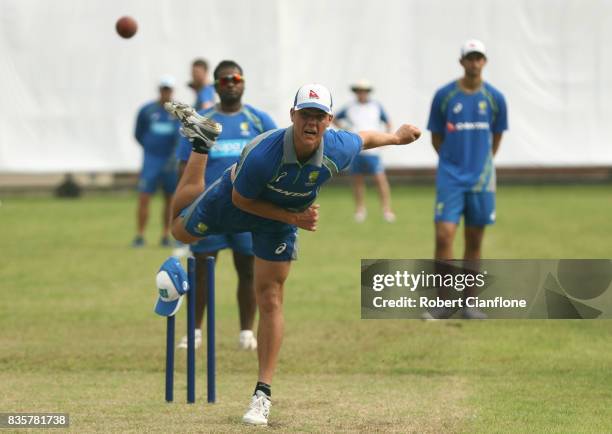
(306, 219)
(404, 135)
(181, 169)
(496, 141)
(436, 141)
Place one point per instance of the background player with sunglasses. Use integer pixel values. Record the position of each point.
(241, 123)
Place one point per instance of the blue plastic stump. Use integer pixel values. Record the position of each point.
(191, 294)
(210, 330)
(170, 359)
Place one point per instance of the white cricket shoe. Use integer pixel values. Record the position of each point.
(197, 341)
(181, 250)
(247, 340)
(259, 409)
(194, 125)
(389, 216)
(361, 215)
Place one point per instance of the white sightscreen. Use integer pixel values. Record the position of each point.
(71, 87)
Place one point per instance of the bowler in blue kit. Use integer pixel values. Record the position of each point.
(271, 192)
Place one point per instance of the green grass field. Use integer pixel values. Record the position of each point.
(78, 333)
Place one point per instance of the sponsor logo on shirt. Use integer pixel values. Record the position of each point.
(482, 108)
(163, 128)
(244, 129)
(457, 108)
(463, 126)
(312, 178)
(279, 177)
(228, 148)
(289, 193)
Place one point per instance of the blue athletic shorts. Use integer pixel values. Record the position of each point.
(213, 213)
(478, 208)
(240, 243)
(155, 171)
(366, 164)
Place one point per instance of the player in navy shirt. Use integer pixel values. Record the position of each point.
(205, 92)
(467, 119)
(271, 191)
(241, 123)
(156, 132)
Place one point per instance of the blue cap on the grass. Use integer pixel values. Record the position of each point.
(172, 283)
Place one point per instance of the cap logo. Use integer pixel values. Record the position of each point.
(313, 94)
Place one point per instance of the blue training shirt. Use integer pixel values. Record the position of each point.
(467, 122)
(269, 169)
(238, 129)
(156, 130)
(205, 95)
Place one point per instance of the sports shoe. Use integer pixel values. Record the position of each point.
(179, 110)
(259, 409)
(389, 216)
(181, 250)
(361, 215)
(138, 242)
(473, 313)
(247, 340)
(198, 129)
(437, 313)
(197, 341)
(165, 242)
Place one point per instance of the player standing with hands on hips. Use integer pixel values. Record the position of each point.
(156, 131)
(270, 192)
(467, 119)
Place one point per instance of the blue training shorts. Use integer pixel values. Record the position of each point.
(478, 208)
(155, 171)
(213, 213)
(367, 164)
(240, 243)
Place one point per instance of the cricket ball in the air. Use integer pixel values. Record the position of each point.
(126, 27)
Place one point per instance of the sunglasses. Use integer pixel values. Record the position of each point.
(227, 79)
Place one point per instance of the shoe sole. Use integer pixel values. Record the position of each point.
(252, 422)
(187, 115)
(179, 110)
